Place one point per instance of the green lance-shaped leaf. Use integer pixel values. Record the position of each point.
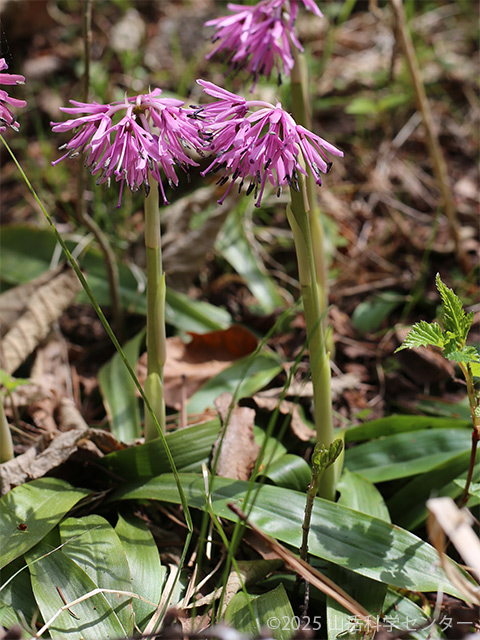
(28, 512)
(454, 318)
(339, 534)
(273, 606)
(56, 580)
(146, 572)
(95, 547)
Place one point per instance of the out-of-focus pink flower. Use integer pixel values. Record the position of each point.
(7, 119)
(257, 38)
(130, 139)
(259, 145)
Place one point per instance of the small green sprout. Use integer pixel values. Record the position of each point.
(452, 339)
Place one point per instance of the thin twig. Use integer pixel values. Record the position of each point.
(316, 578)
(436, 156)
(474, 407)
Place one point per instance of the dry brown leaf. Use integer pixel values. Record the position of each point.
(299, 428)
(446, 517)
(13, 302)
(51, 374)
(235, 451)
(50, 452)
(305, 389)
(297, 425)
(270, 400)
(47, 454)
(191, 365)
(45, 306)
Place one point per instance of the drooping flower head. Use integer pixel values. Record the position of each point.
(129, 139)
(7, 119)
(259, 145)
(257, 38)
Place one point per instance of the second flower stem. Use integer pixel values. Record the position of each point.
(307, 228)
(301, 113)
(298, 217)
(156, 339)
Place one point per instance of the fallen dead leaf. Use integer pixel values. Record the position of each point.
(44, 307)
(304, 389)
(51, 373)
(50, 452)
(189, 366)
(270, 400)
(14, 301)
(183, 248)
(235, 451)
(446, 518)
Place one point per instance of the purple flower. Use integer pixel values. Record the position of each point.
(259, 145)
(257, 37)
(7, 119)
(127, 140)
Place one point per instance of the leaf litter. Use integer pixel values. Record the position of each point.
(383, 209)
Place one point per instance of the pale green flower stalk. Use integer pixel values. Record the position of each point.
(299, 217)
(260, 38)
(132, 142)
(261, 142)
(307, 229)
(156, 339)
(301, 113)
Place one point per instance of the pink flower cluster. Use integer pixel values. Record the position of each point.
(7, 119)
(129, 139)
(264, 145)
(257, 38)
(152, 134)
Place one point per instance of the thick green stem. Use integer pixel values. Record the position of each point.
(6, 443)
(298, 218)
(304, 218)
(301, 114)
(156, 339)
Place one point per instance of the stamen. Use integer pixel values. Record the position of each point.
(222, 181)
